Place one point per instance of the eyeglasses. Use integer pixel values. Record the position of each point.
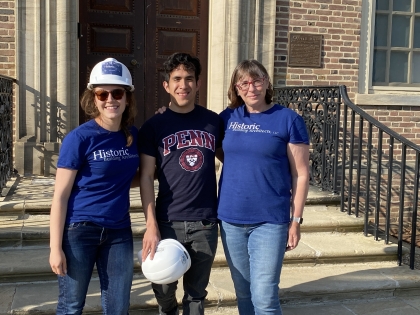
(244, 85)
(102, 95)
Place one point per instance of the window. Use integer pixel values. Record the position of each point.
(396, 52)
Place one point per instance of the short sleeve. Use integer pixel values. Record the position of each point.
(72, 152)
(298, 132)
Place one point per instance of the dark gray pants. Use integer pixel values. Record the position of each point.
(200, 240)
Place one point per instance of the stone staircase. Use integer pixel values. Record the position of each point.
(334, 264)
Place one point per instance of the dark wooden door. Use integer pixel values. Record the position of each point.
(174, 26)
(142, 34)
(112, 28)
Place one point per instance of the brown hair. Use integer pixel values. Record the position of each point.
(251, 68)
(87, 102)
(190, 64)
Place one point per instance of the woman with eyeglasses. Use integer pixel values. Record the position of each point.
(263, 187)
(90, 221)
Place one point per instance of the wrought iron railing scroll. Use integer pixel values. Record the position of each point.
(375, 170)
(6, 135)
(320, 109)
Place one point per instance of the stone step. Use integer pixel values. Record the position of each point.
(26, 264)
(333, 264)
(320, 288)
(33, 229)
(34, 195)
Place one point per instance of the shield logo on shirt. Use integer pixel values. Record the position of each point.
(191, 159)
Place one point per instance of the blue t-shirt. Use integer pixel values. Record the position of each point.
(255, 185)
(184, 146)
(106, 167)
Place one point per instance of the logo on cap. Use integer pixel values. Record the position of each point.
(112, 67)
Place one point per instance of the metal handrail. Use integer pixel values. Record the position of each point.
(336, 160)
(320, 108)
(402, 170)
(6, 135)
(373, 121)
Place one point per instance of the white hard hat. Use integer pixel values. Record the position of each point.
(170, 262)
(110, 71)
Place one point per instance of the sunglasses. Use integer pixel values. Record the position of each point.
(102, 95)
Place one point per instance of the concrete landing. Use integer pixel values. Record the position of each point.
(333, 287)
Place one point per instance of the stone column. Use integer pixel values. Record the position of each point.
(238, 30)
(47, 87)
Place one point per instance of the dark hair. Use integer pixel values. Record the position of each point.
(189, 62)
(87, 102)
(251, 68)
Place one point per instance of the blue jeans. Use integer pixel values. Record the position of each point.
(85, 244)
(200, 240)
(255, 253)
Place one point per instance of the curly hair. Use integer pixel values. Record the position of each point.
(255, 70)
(190, 63)
(87, 102)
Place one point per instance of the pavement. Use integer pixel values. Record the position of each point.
(359, 276)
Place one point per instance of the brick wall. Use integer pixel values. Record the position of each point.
(338, 21)
(7, 38)
(404, 120)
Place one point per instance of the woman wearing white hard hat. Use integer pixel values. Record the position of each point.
(90, 220)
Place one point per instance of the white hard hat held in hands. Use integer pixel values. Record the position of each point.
(170, 262)
(110, 72)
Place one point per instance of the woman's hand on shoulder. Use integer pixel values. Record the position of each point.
(162, 109)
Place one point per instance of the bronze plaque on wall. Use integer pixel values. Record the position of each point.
(305, 50)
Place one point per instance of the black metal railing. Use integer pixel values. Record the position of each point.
(6, 135)
(375, 169)
(320, 109)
